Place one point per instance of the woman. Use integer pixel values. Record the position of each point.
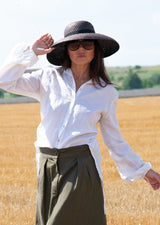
(74, 98)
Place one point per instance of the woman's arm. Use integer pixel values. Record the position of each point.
(129, 164)
(12, 76)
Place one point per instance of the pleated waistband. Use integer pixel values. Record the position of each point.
(66, 152)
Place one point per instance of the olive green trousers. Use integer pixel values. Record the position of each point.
(69, 188)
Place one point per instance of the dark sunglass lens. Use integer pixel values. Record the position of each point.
(88, 44)
(73, 46)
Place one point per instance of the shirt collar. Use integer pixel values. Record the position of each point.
(69, 73)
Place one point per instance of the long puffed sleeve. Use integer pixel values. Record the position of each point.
(12, 76)
(129, 164)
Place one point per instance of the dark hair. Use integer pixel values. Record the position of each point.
(97, 68)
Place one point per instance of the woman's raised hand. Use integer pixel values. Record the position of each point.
(43, 45)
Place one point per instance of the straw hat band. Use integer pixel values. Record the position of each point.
(79, 32)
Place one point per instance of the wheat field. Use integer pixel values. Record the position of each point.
(126, 204)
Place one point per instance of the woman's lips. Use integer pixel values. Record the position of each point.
(81, 55)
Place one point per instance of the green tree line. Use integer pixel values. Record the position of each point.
(124, 80)
(133, 81)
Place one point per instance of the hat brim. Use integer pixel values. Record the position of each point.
(109, 46)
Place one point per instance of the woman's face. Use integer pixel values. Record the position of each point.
(81, 52)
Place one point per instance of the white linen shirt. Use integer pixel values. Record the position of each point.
(70, 118)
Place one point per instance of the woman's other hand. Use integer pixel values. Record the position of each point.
(153, 178)
(43, 45)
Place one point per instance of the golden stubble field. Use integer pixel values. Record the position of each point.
(126, 204)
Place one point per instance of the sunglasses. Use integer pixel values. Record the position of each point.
(86, 44)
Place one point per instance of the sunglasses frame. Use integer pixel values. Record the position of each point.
(81, 43)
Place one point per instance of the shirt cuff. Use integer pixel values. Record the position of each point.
(139, 174)
(20, 54)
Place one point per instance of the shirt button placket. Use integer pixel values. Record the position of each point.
(66, 119)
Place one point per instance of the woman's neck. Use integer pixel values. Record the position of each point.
(80, 74)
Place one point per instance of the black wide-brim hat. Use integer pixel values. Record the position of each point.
(81, 30)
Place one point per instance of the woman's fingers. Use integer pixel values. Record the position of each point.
(47, 38)
(46, 51)
(43, 45)
(153, 178)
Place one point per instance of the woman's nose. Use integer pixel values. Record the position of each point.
(81, 46)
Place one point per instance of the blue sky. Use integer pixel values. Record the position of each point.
(134, 24)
